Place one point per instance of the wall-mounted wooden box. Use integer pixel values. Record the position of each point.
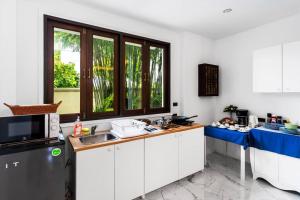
(208, 80)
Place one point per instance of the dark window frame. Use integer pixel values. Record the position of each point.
(119, 76)
(89, 94)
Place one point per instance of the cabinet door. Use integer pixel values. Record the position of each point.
(291, 67)
(266, 164)
(161, 161)
(191, 152)
(129, 170)
(267, 69)
(95, 174)
(289, 175)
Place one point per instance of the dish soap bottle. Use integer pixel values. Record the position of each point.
(77, 127)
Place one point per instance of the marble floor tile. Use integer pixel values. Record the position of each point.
(220, 181)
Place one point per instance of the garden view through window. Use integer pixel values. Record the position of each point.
(98, 73)
(133, 67)
(156, 77)
(67, 70)
(103, 74)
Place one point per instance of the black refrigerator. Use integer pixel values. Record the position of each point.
(33, 171)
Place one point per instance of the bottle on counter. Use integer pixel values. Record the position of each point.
(279, 120)
(77, 127)
(269, 117)
(273, 119)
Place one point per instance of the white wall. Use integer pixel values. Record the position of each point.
(28, 39)
(195, 50)
(234, 55)
(8, 54)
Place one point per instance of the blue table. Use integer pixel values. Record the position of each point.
(275, 141)
(235, 137)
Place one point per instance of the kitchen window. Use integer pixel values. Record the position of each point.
(99, 73)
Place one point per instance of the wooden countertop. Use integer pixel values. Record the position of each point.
(77, 146)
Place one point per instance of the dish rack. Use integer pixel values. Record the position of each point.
(128, 128)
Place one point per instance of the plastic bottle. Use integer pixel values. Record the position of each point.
(77, 127)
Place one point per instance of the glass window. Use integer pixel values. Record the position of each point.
(133, 75)
(67, 70)
(99, 73)
(156, 77)
(103, 74)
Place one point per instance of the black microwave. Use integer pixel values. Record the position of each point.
(28, 127)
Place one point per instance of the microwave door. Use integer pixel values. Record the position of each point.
(20, 128)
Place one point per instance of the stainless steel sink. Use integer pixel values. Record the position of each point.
(95, 139)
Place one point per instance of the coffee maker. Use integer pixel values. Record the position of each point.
(242, 116)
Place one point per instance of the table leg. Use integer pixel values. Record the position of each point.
(205, 161)
(243, 168)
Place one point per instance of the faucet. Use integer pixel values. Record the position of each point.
(93, 130)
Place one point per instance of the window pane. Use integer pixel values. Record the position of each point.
(156, 77)
(133, 68)
(103, 74)
(67, 70)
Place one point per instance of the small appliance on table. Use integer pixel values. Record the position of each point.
(242, 116)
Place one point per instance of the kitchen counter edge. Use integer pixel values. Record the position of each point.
(77, 146)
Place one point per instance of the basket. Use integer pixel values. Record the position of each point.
(33, 109)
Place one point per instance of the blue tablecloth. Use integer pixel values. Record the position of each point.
(227, 135)
(275, 141)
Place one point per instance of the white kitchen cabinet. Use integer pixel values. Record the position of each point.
(279, 170)
(291, 67)
(129, 170)
(289, 176)
(161, 161)
(267, 70)
(266, 164)
(95, 174)
(191, 152)
(125, 171)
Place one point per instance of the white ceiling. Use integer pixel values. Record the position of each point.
(202, 16)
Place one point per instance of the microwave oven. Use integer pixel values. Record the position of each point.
(28, 127)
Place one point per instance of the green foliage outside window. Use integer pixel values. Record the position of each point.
(133, 62)
(156, 77)
(65, 75)
(103, 74)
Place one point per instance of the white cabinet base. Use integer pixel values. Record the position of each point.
(191, 152)
(279, 170)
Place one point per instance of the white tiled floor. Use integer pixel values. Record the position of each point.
(220, 181)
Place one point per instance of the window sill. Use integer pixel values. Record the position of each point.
(105, 121)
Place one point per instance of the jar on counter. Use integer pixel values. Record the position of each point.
(274, 119)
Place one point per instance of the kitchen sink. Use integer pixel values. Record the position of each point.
(95, 139)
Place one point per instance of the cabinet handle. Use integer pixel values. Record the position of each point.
(109, 150)
(118, 148)
(89, 73)
(145, 77)
(83, 73)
